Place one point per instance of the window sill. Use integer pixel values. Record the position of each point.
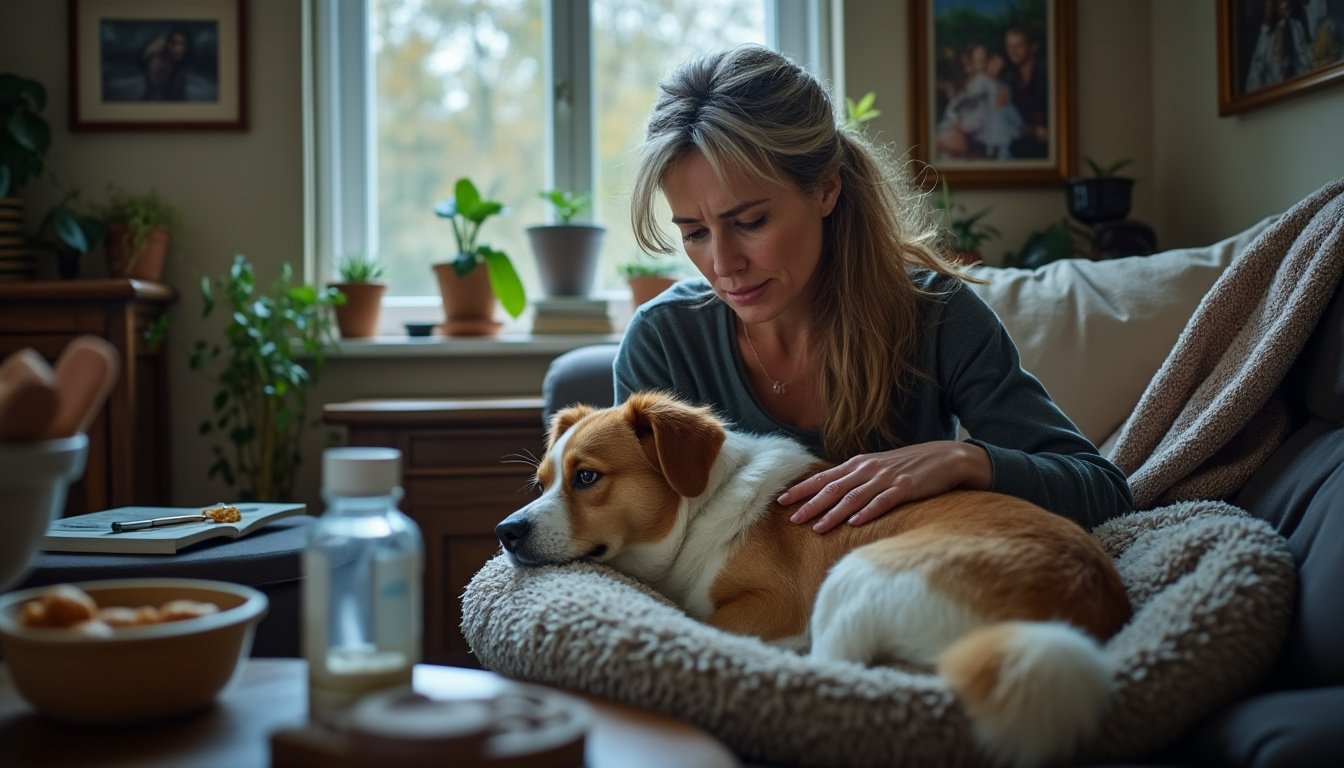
(503, 345)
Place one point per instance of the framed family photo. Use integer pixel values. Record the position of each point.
(171, 65)
(1269, 50)
(993, 90)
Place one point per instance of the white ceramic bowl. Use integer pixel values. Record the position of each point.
(34, 478)
(139, 674)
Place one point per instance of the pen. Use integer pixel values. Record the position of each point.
(157, 522)
(220, 513)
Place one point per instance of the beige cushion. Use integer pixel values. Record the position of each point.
(1095, 332)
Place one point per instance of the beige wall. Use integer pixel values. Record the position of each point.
(1147, 89)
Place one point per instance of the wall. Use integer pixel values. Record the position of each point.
(1113, 103)
(1147, 90)
(1219, 175)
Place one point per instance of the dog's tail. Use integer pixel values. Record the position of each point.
(1033, 689)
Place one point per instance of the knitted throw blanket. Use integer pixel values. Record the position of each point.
(1210, 416)
(1212, 591)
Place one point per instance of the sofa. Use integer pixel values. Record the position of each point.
(1095, 333)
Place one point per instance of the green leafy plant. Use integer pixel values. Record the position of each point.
(859, 112)
(1103, 171)
(260, 407)
(643, 267)
(140, 214)
(25, 136)
(567, 205)
(359, 267)
(1063, 239)
(962, 230)
(467, 211)
(66, 228)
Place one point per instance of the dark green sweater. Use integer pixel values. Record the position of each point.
(685, 342)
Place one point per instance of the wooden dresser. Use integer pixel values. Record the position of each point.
(128, 442)
(464, 468)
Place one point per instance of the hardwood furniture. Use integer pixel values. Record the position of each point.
(466, 464)
(270, 694)
(128, 441)
(269, 560)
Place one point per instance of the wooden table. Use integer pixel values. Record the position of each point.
(270, 694)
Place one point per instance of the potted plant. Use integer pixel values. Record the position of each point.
(1103, 196)
(469, 293)
(566, 252)
(140, 228)
(271, 356)
(647, 279)
(1061, 240)
(362, 295)
(69, 235)
(24, 140)
(963, 233)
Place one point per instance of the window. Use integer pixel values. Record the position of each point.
(519, 96)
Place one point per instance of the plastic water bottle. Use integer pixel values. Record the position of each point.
(361, 584)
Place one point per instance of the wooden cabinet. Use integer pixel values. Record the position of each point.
(465, 467)
(128, 459)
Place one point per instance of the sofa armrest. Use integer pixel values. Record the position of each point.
(582, 375)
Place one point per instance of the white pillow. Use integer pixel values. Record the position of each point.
(1095, 332)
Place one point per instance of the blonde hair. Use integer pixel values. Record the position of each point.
(754, 111)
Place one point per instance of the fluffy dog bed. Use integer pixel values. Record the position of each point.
(1212, 590)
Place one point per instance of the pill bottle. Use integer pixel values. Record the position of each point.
(362, 570)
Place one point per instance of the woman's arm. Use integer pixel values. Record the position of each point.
(1021, 443)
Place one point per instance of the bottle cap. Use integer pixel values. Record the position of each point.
(360, 471)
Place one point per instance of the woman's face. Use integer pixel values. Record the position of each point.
(759, 245)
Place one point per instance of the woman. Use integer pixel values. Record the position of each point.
(824, 313)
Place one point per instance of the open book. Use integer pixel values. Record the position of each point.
(93, 532)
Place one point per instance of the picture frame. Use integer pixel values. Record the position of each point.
(1308, 36)
(158, 65)
(992, 90)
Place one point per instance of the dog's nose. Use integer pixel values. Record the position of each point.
(511, 532)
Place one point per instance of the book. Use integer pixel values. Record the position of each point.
(571, 306)
(574, 324)
(93, 532)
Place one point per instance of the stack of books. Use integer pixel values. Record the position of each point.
(572, 314)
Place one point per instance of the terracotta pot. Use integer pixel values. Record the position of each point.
(124, 261)
(468, 302)
(645, 287)
(567, 256)
(358, 316)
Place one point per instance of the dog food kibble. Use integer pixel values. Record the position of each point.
(60, 606)
(178, 610)
(67, 607)
(120, 616)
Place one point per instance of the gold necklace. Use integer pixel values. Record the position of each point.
(775, 384)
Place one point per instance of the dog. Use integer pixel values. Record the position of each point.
(1005, 601)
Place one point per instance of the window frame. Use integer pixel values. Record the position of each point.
(339, 120)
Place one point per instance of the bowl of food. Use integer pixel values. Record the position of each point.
(127, 651)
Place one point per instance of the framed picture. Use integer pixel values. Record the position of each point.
(993, 90)
(1272, 49)
(158, 65)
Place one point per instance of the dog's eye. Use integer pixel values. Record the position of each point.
(586, 477)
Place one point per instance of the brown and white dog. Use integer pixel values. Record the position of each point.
(1006, 601)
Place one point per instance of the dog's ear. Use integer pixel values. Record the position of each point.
(563, 420)
(683, 441)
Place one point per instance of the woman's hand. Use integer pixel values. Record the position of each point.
(871, 485)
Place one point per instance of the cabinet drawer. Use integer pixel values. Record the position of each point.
(495, 492)
(469, 447)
